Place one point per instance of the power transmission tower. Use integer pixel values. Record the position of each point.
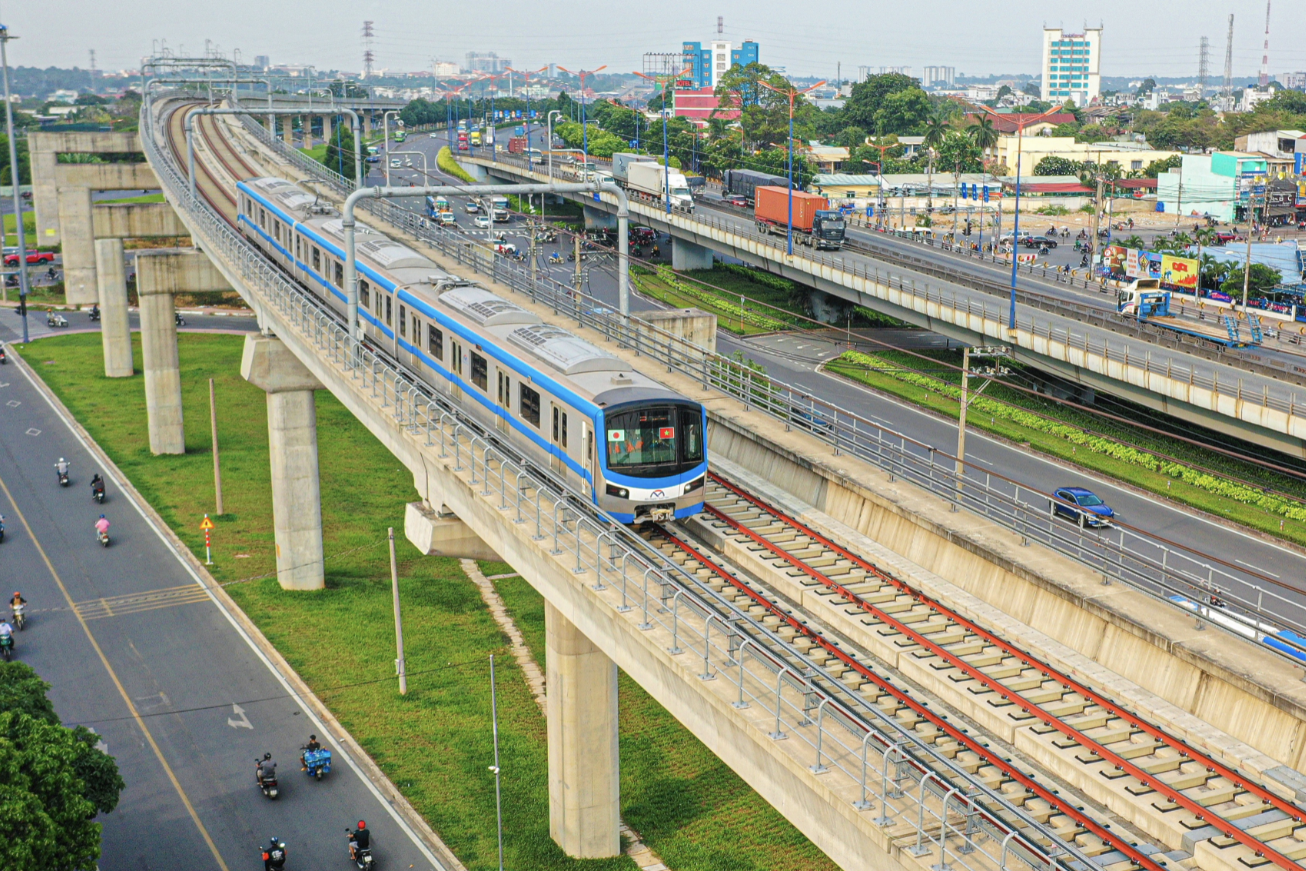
(92, 69)
(368, 56)
(1228, 69)
(1203, 67)
(1264, 79)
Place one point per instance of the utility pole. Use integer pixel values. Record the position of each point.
(1097, 224)
(1251, 220)
(575, 282)
(217, 468)
(16, 181)
(961, 423)
(400, 666)
(535, 266)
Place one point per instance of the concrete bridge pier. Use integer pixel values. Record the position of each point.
(687, 255)
(162, 364)
(115, 331)
(288, 129)
(77, 232)
(584, 765)
(292, 447)
(598, 219)
(327, 132)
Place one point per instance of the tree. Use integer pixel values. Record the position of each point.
(55, 780)
(24, 167)
(959, 151)
(851, 137)
(903, 112)
(1031, 89)
(867, 98)
(984, 135)
(1004, 91)
(340, 151)
(1263, 279)
(935, 130)
(1156, 167)
(1053, 165)
(1147, 86)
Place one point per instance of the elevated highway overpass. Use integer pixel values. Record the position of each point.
(1256, 401)
(868, 790)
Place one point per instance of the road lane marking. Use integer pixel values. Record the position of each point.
(243, 722)
(1256, 568)
(96, 609)
(113, 675)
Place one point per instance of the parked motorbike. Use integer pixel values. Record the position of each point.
(20, 617)
(317, 762)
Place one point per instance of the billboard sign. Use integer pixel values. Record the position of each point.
(1179, 272)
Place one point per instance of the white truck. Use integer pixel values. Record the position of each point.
(653, 179)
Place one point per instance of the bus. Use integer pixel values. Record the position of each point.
(400, 136)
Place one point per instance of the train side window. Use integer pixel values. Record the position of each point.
(403, 320)
(560, 428)
(505, 391)
(555, 423)
(456, 357)
(563, 440)
(317, 260)
(417, 334)
(389, 310)
(339, 270)
(435, 342)
(364, 293)
(530, 404)
(480, 372)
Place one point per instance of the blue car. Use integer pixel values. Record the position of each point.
(1082, 506)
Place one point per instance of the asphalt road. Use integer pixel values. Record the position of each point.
(134, 647)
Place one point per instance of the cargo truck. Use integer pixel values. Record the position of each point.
(517, 145)
(745, 181)
(815, 223)
(621, 162)
(654, 180)
(1144, 300)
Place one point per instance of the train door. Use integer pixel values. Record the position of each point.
(587, 455)
(556, 461)
(505, 401)
(456, 367)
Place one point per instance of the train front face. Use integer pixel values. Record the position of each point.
(653, 459)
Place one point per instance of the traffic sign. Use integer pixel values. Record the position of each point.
(206, 524)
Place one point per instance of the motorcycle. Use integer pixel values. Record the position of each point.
(267, 783)
(20, 617)
(7, 647)
(55, 320)
(2, 528)
(274, 855)
(63, 479)
(4, 358)
(94, 313)
(317, 762)
(102, 537)
(555, 258)
(98, 495)
(362, 855)
(178, 319)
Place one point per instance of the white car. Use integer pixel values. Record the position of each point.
(395, 163)
(481, 221)
(435, 134)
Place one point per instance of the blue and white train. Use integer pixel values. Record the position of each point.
(635, 448)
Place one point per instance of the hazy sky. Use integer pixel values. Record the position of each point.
(977, 37)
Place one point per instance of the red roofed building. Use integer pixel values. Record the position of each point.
(699, 104)
(1011, 122)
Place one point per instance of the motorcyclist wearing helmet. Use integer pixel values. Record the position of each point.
(266, 770)
(62, 468)
(97, 485)
(17, 600)
(361, 839)
(274, 855)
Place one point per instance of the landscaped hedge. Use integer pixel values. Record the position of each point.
(445, 160)
(1219, 486)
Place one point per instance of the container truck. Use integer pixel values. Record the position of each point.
(653, 180)
(815, 223)
(745, 181)
(621, 162)
(517, 145)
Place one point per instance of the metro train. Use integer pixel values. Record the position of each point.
(634, 448)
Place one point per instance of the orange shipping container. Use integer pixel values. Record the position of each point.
(773, 206)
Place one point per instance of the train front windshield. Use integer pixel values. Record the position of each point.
(655, 442)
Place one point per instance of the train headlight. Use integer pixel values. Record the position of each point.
(695, 484)
(619, 492)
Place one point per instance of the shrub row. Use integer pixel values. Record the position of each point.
(445, 160)
(1219, 486)
(667, 276)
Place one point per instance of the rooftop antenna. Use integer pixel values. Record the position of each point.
(1264, 79)
(1228, 68)
(368, 56)
(1203, 67)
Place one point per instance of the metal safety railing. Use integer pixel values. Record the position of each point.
(1234, 598)
(879, 760)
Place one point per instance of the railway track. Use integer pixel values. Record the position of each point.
(1163, 784)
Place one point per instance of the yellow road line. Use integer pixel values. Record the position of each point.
(185, 800)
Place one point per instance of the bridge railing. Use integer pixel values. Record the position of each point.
(844, 732)
(1232, 597)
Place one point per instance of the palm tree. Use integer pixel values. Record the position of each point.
(984, 134)
(1204, 236)
(935, 130)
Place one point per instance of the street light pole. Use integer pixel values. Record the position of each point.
(15, 180)
(584, 128)
(791, 93)
(666, 151)
(385, 132)
(549, 122)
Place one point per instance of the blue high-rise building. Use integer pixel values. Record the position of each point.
(706, 65)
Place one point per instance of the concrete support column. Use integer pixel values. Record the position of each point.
(288, 129)
(597, 219)
(292, 448)
(687, 255)
(162, 367)
(584, 765)
(77, 234)
(327, 132)
(115, 331)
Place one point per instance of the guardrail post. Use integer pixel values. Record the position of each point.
(818, 768)
(778, 734)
